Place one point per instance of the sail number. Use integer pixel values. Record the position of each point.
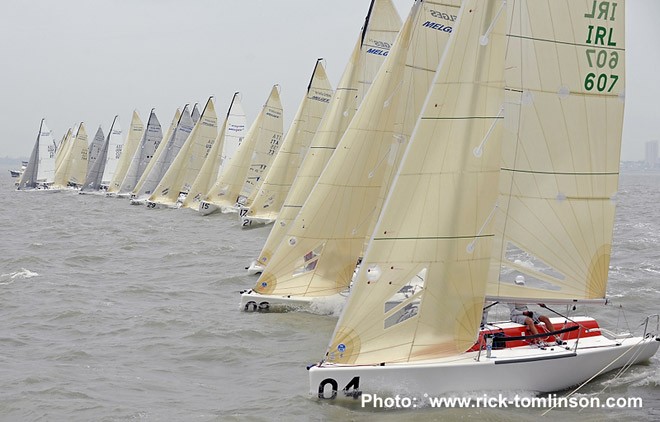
(351, 389)
(603, 35)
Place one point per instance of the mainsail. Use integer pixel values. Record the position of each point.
(127, 151)
(320, 251)
(266, 202)
(373, 45)
(231, 134)
(435, 231)
(560, 159)
(99, 167)
(186, 165)
(95, 161)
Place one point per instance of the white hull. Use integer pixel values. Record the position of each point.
(252, 301)
(526, 368)
(255, 268)
(206, 208)
(253, 222)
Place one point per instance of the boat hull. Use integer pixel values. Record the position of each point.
(252, 301)
(255, 268)
(526, 368)
(206, 208)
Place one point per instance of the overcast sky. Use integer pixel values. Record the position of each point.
(87, 60)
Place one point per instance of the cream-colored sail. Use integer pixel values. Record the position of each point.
(372, 47)
(127, 151)
(186, 165)
(560, 159)
(319, 253)
(435, 232)
(229, 137)
(160, 148)
(250, 160)
(266, 202)
(73, 167)
(63, 151)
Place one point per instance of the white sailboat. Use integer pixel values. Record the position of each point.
(231, 134)
(179, 177)
(39, 173)
(160, 149)
(127, 152)
(163, 158)
(99, 173)
(72, 170)
(556, 157)
(373, 45)
(94, 150)
(315, 262)
(252, 158)
(143, 153)
(266, 202)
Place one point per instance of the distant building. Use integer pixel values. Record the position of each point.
(651, 155)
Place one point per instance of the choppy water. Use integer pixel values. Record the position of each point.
(112, 312)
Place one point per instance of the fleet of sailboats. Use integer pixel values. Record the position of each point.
(478, 135)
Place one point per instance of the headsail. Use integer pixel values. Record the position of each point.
(372, 47)
(435, 232)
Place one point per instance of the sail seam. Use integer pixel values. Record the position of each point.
(565, 43)
(561, 173)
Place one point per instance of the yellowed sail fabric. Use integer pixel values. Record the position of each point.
(231, 134)
(131, 143)
(435, 231)
(187, 163)
(560, 159)
(73, 167)
(260, 143)
(160, 147)
(63, 148)
(267, 201)
(319, 253)
(372, 47)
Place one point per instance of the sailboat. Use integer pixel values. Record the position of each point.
(266, 202)
(39, 172)
(231, 134)
(490, 173)
(143, 153)
(163, 158)
(71, 171)
(252, 158)
(101, 170)
(160, 149)
(381, 26)
(126, 153)
(179, 177)
(315, 262)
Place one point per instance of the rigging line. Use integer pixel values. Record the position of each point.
(604, 369)
(470, 246)
(484, 39)
(542, 305)
(478, 151)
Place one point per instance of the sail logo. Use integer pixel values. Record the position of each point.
(438, 26)
(378, 52)
(443, 15)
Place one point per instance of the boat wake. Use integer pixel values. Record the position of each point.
(23, 273)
